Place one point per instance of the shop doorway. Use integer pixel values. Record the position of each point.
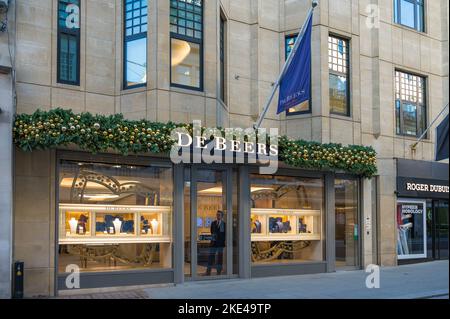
(347, 224)
(210, 224)
(440, 229)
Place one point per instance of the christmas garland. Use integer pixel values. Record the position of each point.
(99, 133)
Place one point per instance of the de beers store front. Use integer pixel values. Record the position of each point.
(139, 220)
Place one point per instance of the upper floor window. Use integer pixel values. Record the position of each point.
(410, 13)
(135, 43)
(338, 66)
(68, 55)
(410, 104)
(186, 43)
(289, 42)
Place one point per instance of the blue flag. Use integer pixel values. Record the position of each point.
(442, 144)
(295, 86)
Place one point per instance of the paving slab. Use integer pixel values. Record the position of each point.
(425, 280)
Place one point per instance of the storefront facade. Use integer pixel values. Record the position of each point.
(298, 221)
(422, 210)
(128, 221)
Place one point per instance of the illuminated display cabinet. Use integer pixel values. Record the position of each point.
(285, 224)
(106, 224)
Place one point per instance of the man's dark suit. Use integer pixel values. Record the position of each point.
(218, 243)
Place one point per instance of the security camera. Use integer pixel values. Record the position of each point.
(3, 6)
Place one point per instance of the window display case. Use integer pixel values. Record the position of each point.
(106, 224)
(285, 224)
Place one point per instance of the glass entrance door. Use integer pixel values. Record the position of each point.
(209, 224)
(347, 221)
(441, 230)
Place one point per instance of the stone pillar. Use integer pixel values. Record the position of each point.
(368, 226)
(6, 183)
(6, 160)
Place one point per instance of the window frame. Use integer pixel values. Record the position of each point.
(399, 131)
(71, 33)
(348, 112)
(173, 35)
(131, 38)
(398, 14)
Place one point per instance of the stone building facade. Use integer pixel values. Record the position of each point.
(255, 36)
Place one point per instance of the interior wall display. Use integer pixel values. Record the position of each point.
(411, 229)
(114, 217)
(286, 219)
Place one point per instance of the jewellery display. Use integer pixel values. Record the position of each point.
(73, 225)
(154, 224)
(285, 224)
(114, 224)
(117, 226)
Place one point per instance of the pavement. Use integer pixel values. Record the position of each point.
(419, 281)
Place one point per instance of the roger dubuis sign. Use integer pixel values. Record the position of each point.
(422, 188)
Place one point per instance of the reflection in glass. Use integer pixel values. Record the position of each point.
(136, 63)
(347, 221)
(185, 63)
(68, 57)
(338, 94)
(407, 13)
(410, 119)
(211, 236)
(411, 229)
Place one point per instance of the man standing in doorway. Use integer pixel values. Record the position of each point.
(218, 231)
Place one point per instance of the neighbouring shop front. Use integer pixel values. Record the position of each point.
(422, 210)
(142, 220)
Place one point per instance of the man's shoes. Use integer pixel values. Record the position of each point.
(207, 273)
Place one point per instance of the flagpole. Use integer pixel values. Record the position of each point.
(286, 65)
(414, 146)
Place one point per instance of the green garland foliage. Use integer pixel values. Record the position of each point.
(99, 133)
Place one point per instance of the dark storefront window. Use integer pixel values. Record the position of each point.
(135, 48)
(286, 219)
(186, 43)
(114, 217)
(411, 229)
(68, 70)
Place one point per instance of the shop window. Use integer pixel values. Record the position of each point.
(186, 44)
(135, 43)
(411, 229)
(410, 105)
(339, 80)
(410, 13)
(286, 219)
(68, 57)
(114, 217)
(304, 107)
